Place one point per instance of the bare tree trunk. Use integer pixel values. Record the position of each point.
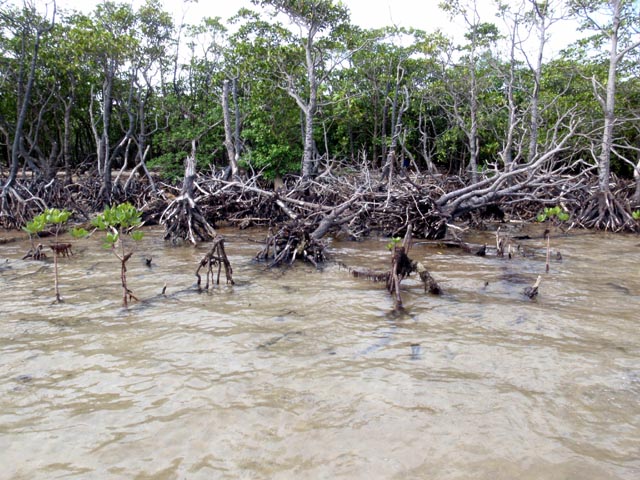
(143, 147)
(66, 137)
(541, 25)
(236, 109)
(22, 116)
(636, 176)
(104, 150)
(604, 160)
(383, 121)
(308, 160)
(506, 153)
(228, 134)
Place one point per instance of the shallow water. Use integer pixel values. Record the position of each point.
(300, 373)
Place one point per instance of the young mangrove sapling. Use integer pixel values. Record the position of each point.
(118, 222)
(556, 215)
(56, 218)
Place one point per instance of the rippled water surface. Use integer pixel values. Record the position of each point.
(301, 373)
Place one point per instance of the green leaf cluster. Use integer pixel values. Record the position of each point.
(393, 243)
(121, 216)
(636, 214)
(51, 216)
(78, 232)
(551, 213)
(117, 219)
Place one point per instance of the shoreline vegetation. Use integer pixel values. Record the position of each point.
(299, 213)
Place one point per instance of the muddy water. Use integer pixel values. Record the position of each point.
(309, 374)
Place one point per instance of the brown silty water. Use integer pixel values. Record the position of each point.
(300, 373)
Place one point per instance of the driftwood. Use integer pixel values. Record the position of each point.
(215, 257)
(532, 291)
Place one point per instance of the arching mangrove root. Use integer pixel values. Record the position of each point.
(216, 257)
(604, 211)
(183, 219)
(35, 253)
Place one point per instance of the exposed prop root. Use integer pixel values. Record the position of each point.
(604, 211)
(292, 241)
(429, 282)
(183, 219)
(36, 253)
(215, 257)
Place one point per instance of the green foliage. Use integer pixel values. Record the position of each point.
(51, 216)
(119, 219)
(393, 243)
(636, 214)
(172, 103)
(551, 213)
(36, 225)
(78, 232)
(56, 217)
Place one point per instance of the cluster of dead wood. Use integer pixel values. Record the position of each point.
(354, 204)
(82, 195)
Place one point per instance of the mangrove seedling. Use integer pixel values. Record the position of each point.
(393, 243)
(56, 218)
(636, 214)
(556, 215)
(120, 221)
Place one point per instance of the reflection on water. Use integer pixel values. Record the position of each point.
(309, 374)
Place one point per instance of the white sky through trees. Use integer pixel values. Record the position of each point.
(420, 14)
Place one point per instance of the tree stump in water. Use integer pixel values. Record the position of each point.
(216, 257)
(183, 219)
(532, 291)
(401, 267)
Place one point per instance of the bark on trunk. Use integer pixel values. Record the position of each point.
(604, 161)
(228, 135)
(22, 116)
